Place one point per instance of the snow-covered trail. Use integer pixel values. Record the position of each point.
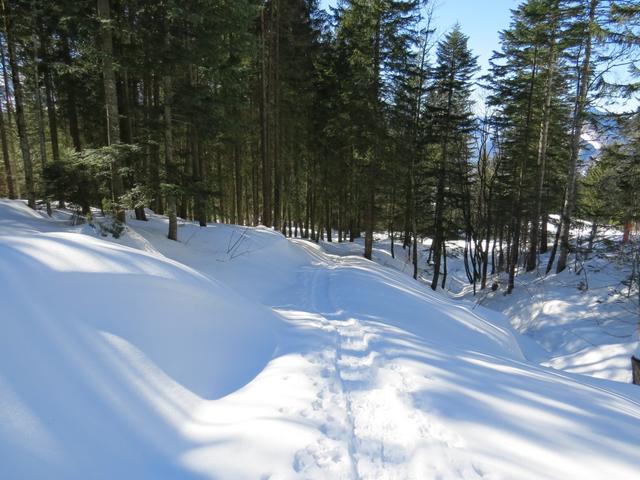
(383, 412)
(369, 426)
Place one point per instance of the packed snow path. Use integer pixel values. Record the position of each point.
(369, 428)
(238, 354)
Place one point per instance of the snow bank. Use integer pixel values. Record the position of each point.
(104, 348)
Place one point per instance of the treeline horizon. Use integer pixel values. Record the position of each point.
(355, 120)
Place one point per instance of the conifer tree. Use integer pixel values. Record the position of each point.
(450, 107)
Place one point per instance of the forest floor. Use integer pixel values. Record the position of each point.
(236, 353)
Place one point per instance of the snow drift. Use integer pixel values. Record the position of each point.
(100, 340)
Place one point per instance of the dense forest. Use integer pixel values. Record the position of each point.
(326, 124)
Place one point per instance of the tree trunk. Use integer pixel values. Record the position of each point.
(635, 366)
(592, 235)
(9, 124)
(521, 166)
(534, 240)
(20, 118)
(70, 86)
(373, 167)
(237, 165)
(569, 203)
(444, 262)
(8, 168)
(275, 94)
(173, 219)
(168, 157)
(51, 106)
(369, 220)
(544, 231)
(267, 169)
(40, 119)
(554, 250)
(111, 100)
(198, 178)
(438, 226)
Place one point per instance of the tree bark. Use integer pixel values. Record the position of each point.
(275, 111)
(635, 366)
(168, 157)
(369, 223)
(521, 166)
(111, 100)
(40, 119)
(267, 169)
(8, 168)
(569, 202)
(534, 240)
(438, 241)
(20, 118)
(237, 166)
(51, 105)
(198, 178)
(70, 86)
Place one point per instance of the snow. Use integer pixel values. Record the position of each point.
(583, 331)
(238, 354)
(590, 330)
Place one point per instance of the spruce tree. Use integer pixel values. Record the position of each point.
(450, 106)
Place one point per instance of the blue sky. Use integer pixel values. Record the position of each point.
(481, 20)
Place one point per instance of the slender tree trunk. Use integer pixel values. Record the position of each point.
(417, 106)
(18, 97)
(569, 203)
(70, 87)
(168, 157)
(440, 194)
(275, 87)
(152, 114)
(173, 219)
(9, 124)
(255, 194)
(198, 178)
(267, 168)
(111, 99)
(40, 119)
(444, 262)
(51, 106)
(223, 213)
(8, 168)
(516, 212)
(237, 166)
(373, 167)
(124, 107)
(392, 219)
(439, 234)
(532, 257)
(544, 230)
(554, 250)
(592, 235)
(369, 220)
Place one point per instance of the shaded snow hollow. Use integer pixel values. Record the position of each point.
(236, 354)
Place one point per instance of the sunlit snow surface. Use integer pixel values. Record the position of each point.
(236, 353)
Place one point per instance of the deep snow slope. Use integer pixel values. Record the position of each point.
(583, 330)
(583, 320)
(236, 353)
(105, 350)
